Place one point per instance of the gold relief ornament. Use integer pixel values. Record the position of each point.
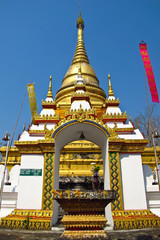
(115, 125)
(133, 148)
(75, 94)
(122, 116)
(86, 112)
(37, 219)
(42, 118)
(112, 132)
(112, 101)
(148, 157)
(81, 118)
(48, 133)
(84, 221)
(135, 219)
(152, 165)
(48, 103)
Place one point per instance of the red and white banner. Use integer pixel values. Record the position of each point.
(149, 72)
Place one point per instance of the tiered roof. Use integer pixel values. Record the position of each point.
(81, 96)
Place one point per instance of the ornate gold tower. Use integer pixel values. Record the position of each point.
(80, 59)
(124, 142)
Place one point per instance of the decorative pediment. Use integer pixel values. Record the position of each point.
(118, 117)
(85, 117)
(46, 118)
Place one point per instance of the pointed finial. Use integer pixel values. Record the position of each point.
(50, 88)
(110, 92)
(79, 5)
(79, 70)
(80, 22)
(130, 119)
(80, 53)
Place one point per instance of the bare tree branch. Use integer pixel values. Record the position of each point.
(142, 122)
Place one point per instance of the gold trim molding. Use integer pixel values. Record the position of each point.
(35, 147)
(148, 157)
(117, 117)
(112, 102)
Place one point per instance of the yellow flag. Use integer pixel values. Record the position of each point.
(32, 99)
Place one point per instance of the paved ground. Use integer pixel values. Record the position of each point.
(145, 234)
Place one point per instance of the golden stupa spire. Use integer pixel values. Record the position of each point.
(49, 95)
(80, 53)
(110, 91)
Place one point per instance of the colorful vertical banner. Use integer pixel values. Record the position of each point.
(32, 99)
(149, 72)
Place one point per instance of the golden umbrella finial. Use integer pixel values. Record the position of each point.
(50, 88)
(80, 22)
(80, 54)
(110, 92)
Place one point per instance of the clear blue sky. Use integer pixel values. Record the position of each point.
(38, 38)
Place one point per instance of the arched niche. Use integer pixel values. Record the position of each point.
(70, 132)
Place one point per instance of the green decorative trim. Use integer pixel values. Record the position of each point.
(115, 180)
(48, 181)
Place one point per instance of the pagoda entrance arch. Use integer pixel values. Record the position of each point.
(93, 132)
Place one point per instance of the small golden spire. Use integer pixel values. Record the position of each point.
(110, 92)
(49, 95)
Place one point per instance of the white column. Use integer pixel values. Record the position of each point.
(108, 212)
(56, 184)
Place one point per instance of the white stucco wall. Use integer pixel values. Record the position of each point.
(80, 104)
(136, 134)
(152, 191)
(25, 136)
(133, 189)
(113, 110)
(30, 187)
(48, 111)
(9, 201)
(108, 212)
(153, 202)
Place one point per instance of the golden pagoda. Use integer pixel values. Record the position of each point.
(80, 59)
(77, 128)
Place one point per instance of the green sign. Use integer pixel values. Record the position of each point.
(30, 172)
